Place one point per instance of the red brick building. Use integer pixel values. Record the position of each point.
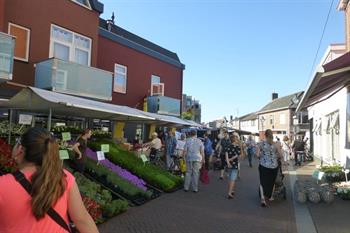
(64, 46)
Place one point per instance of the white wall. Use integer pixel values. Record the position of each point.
(251, 126)
(322, 147)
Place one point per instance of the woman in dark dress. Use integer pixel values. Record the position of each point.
(79, 148)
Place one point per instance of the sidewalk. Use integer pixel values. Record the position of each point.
(327, 218)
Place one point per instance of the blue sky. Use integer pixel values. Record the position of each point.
(236, 52)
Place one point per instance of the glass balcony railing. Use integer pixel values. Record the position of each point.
(7, 45)
(75, 79)
(163, 105)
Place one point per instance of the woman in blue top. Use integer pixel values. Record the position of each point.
(268, 153)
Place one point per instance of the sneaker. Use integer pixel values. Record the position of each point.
(195, 191)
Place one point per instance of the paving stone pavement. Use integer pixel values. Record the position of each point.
(209, 211)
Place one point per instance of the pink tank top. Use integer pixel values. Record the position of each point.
(16, 212)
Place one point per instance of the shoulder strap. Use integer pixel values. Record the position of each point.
(20, 178)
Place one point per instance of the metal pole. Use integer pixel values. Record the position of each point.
(10, 126)
(49, 120)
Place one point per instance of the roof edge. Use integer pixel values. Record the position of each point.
(97, 6)
(140, 48)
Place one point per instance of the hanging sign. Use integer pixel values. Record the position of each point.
(66, 136)
(105, 148)
(63, 154)
(25, 119)
(100, 155)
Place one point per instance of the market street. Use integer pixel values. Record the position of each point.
(209, 211)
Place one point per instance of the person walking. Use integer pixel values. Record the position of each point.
(268, 153)
(170, 147)
(208, 150)
(194, 156)
(233, 152)
(251, 149)
(286, 150)
(221, 148)
(299, 150)
(79, 148)
(51, 188)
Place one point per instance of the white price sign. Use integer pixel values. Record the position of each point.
(100, 155)
(25, 119)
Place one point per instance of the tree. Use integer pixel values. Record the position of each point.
(186, 115)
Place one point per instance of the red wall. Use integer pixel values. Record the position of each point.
(2, 15)
(140, 67)
(38, 15)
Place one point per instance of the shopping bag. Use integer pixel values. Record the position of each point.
(182, 165)
(204, 177)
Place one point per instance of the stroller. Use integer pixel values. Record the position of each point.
(279, 190)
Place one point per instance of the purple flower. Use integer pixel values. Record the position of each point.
(118, 170)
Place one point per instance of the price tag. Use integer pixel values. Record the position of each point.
(144, 158)
(25, 119)
(66, 136)
(105, 148)
(63, 154)
(100, 155)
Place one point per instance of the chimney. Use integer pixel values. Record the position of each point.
(274, 96)
(110, 22)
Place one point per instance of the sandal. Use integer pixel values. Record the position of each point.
(263, 204)
(230, 196)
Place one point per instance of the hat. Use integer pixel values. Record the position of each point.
(155, 134)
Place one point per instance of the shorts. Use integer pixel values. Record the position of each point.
(233, 174)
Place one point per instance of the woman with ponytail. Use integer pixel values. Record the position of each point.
(269, 152)
(27, 207)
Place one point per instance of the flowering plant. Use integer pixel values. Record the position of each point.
(343, 190)
(7, 163)
(93, 208)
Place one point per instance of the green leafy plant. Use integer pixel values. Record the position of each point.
(150, 173)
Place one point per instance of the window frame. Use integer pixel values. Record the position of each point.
(80, 4)
(115, 76)
(27, 43)
(72, 46)
(155, 76)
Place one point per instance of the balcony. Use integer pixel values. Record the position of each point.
(7, 45)
(163, 105)
(74, 79)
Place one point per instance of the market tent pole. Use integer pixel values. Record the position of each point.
(10, 126)
(49, 120)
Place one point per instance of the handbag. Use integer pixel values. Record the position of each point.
(204, 177)
(22, 180)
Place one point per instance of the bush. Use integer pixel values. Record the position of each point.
(333, 173)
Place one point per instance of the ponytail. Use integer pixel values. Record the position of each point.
(48, 183)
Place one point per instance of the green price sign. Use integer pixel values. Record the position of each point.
(144, 158)
(63, 154)
(66, 136)
(105, 148)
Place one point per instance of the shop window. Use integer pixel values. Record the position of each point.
(70, 46)
(120, 78)
(22, 35)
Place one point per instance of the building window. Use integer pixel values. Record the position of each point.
(22, 35)
(70, 46)
(271, 119)
(84, 3)
(282, 119)
(155, 79)
(120, 77)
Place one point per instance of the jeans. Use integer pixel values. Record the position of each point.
(250, 157)
(192, 175)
